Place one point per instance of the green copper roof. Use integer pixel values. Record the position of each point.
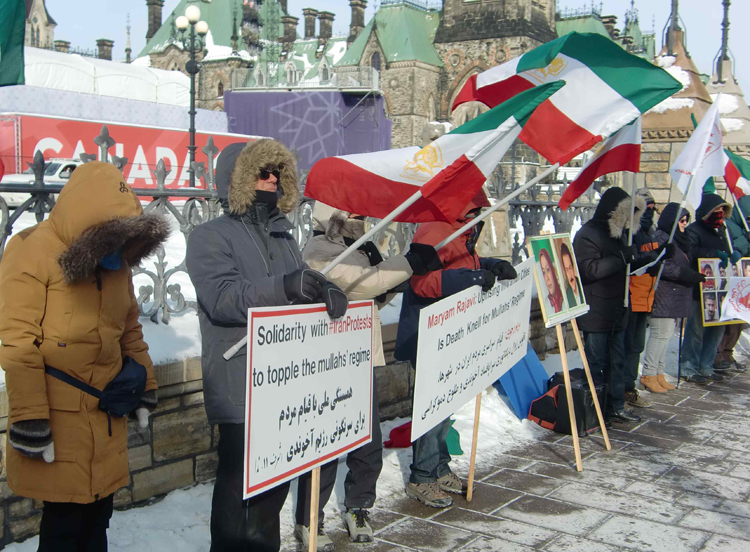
(585, 24)
(404, 32)
(218, 15)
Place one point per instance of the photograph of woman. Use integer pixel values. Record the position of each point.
(553, 300)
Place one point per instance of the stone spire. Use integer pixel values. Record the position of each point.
(733, 109)
(128, 49)
(670, 120)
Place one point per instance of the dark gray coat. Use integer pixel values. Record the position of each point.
(673, 297)
(237, 262)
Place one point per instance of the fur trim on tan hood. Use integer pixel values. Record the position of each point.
(619, 219)
(259, 155)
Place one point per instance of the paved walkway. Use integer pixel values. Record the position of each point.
(678, 481)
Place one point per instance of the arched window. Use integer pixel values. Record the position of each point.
(260, 78)
(375, 61)
(324, 74)
(220, 89)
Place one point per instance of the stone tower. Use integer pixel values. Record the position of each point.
(154, 17)
(474, 36)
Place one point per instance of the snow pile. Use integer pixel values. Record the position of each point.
(728, 103)
(673, 104)
(732, 125)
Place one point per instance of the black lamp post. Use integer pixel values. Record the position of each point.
(192, 44)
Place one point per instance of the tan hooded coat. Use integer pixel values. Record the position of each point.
(59, 309)
(353, 275)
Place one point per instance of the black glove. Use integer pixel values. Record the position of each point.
(32, 438)
(422, 259)
(503, 270)
(489, 278)
(303, 286)
(336, 300)
(691, 276)
(629, 254)
(670, 250)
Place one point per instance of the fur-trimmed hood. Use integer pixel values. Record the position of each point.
(97, 214)
(614, 211)
(240, 172)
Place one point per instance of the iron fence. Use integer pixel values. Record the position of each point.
(163, 297)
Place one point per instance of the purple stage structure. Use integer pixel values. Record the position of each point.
(314, 124)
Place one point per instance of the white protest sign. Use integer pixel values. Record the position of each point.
(309, 390)
(466, 342)
(735, 305)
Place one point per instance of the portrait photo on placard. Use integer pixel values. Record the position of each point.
(549, 279)
(572, 287)
(745, 263)
(711, 312)
(710, 269)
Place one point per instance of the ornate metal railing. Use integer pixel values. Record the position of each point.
(163, 296)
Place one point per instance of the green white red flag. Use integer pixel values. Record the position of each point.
(620, 152)
(606, 89)
(737, 174)
(448, 172)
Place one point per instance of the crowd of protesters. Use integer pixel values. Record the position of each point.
(70, 330)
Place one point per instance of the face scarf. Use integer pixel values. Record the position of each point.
(716, 219)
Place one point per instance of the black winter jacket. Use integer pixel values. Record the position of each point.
(599, 248)
(673, 295)
(704, 240)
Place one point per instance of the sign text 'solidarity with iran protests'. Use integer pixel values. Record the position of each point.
(309, 390)
(466, 342)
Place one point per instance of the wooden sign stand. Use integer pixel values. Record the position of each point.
(314, 506)
(475, 439)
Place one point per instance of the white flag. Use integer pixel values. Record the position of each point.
(703, 151)
(736, 305)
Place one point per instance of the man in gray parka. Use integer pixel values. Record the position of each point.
(247, 258)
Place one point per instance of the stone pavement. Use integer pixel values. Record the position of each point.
(678, 481)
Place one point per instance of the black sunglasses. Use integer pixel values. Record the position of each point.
(265, 174)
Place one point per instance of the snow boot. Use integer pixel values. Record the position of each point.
(429, 494)
(652, 384)
(302, 534)
(358, 524)
(664, 383)
(451, 483)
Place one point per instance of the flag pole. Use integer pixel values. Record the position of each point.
(344, 254)
(497, 206)
(737, 205)
(630, 240)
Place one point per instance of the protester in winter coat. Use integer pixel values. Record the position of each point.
(737, 228)
(431, 477)
(66, 294)
(362, 275)
(602, 254)
(708, 239)
(672, 299)
(247, 258)
(641, 300)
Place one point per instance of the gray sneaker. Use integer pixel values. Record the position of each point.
(302, 534)
(451, 483)
(429, 494)
(358, 525)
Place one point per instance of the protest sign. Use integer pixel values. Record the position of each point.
(722, 283)
(466, 342)
(736, 304)
(309, 390)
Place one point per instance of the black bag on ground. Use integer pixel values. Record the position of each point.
(551, 409)
(120, 396)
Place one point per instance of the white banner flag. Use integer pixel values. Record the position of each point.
(713, 156)
(736, 305)
(466, 342)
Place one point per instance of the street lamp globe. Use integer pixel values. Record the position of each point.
(201, 28)
(182, 23)
(193, 13)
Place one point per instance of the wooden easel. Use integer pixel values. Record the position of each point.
(314, 506)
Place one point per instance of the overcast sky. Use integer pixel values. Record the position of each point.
(83, 21)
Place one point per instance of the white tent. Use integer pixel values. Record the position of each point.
(75, 73)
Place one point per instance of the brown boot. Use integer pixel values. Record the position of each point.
(664, 383)
(652, 384)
